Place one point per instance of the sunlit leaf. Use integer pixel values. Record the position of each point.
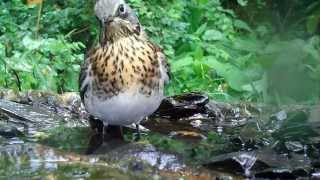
(212, 35)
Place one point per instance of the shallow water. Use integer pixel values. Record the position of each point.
(190, 139)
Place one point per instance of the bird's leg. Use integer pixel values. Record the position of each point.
(138, 136)
(105, 130)
(95, 124)
(107, 133)
(121, 131)
(95, 142)
(96, 139)
(112, 132)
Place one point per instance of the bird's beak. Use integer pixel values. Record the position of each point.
(108, 20)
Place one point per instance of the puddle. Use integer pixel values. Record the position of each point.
(191, 137)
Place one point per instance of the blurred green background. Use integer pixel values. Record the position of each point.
(234, 50)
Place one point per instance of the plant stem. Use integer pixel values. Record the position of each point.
(18, 79)
(39, 19)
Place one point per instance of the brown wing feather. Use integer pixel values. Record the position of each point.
(165, 68)
(83, 73)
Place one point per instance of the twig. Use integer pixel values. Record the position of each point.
(39, 19)
(75, 31)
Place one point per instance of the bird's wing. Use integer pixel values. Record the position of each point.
(83, 73)
(83, 84)
(164, 66)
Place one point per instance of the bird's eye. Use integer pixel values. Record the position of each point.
(121, 9)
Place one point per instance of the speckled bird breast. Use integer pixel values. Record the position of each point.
(130, 64)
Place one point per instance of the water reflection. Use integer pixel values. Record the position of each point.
(32, 160)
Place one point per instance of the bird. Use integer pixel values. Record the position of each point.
(123, 77)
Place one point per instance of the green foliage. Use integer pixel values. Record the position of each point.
(187, 30)
(31, 59)
(233, 50)
(211, 50)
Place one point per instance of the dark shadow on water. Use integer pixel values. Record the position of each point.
(113, 137)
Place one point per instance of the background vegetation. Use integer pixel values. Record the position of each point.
(258, 50)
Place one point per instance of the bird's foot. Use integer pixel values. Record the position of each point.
(139, 132)
(96, 140)
(96, 125)
(112, 132)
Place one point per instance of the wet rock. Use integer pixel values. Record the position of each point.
(294, 146)
(276, 174)
(136, 154)
(187, 135)
(190, 116)
(315, 175)
(2, 140)
(38, 117)
(240, 163)
(12, 95)
(197, 104)
(195, 113)
(214, 109)
(295, 128)
(184, 105)
(263, 164)
(9, 131)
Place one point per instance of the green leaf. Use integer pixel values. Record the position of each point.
(212, 35)
(242, 25)
(31, 44)
(242, 2)
(312, 23)
(181, 63)
(236, 78)
(201, 29)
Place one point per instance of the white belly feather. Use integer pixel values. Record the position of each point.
(123, 109)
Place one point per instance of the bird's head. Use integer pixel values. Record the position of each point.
(117, 20)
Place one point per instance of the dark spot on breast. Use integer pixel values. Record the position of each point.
(151, 46)
(107, 58)
(133, 47)
(106, 77)
(121, 65)
(155, 63)
(141, 60)
(131, 59)
(150, 58)
(121, 79)
(111, 52)
(113, 82)
(144, 67)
